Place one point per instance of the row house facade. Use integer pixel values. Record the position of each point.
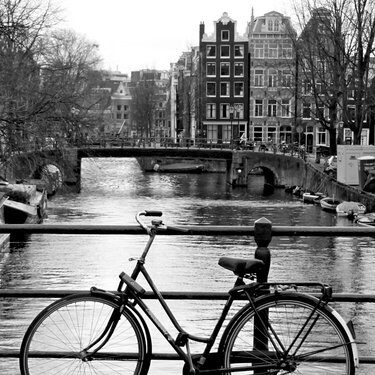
(223, 81)
(272, 79)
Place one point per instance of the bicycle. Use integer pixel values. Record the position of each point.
(279, 330)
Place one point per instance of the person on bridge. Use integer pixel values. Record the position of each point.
(243, 140)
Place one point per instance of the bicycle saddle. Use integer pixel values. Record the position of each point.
(240, 266)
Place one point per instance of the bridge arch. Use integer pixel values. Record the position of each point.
(279, 170)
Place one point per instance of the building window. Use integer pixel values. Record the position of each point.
(211, 111)
(225, 35)
(276, 25)
(258, 77)
(224, 69)
(272, 51)
(271, 110)
(258, 111)
(224, 111)
(238, 89)
(270, 25)
(239, 110)
(118, 107)
(211, 69)
(286, 78)
(238, 70)
(211, 89)
(258, 133)
(285, 108)
(239, 51)
(224, 51)
(287, 52)
(224, 89)
(118, 116)
(319, 111)
(212, 133)
(306, 87)
(211, 51)
(259, 51)
(226, 133)
(306, 110)
(126, 107)
(272, 78)
(321, 136)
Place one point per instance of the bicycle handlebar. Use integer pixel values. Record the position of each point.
(156, 214)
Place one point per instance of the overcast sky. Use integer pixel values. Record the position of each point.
(150, 34)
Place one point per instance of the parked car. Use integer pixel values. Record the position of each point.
(330, 166)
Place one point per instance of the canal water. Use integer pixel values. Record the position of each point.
(113, 190)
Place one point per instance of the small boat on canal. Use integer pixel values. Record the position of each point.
(23, 204)
(329, 204)
(350, 208)
(365, 220)
(179, 168)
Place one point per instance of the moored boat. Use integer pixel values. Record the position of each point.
(366, 220)
(25, 204)
(309, 197)
(350, 208)
(329, 204)
(179, 168)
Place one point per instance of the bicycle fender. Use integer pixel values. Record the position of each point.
(353, 343)
(132, 310)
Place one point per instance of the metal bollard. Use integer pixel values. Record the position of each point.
(262, 237)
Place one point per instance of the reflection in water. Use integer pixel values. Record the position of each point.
(113, 190)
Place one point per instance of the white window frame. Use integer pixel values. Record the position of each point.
(238, 64)
(207, 51)
(241, 87)
(212, 64)
(210, 111)
(222, 55)
(222, 35)
(227, 89)
(241, 49)
(213, 95)
(258, 78)
(224, 64)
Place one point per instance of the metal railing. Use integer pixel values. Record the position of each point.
(262, 231)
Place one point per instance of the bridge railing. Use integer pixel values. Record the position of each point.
(262, 231)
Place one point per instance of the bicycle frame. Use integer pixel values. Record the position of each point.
(133, 291)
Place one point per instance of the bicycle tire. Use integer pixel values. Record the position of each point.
(54, 341)
(287, 312)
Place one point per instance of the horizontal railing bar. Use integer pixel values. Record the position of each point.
(188, 230)
(39, 293)
(162, 356)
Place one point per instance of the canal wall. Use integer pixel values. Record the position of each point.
(315, 180)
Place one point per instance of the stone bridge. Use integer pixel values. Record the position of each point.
(278, 169)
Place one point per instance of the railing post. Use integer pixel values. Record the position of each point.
(262, 237)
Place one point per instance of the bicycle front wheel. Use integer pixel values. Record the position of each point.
(57, 340)
(290, 334)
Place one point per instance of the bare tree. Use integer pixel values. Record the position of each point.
(144, 97)
(44, 88)
(334, 50)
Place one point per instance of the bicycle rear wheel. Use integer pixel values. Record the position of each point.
(297, 339)
(55, 341)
